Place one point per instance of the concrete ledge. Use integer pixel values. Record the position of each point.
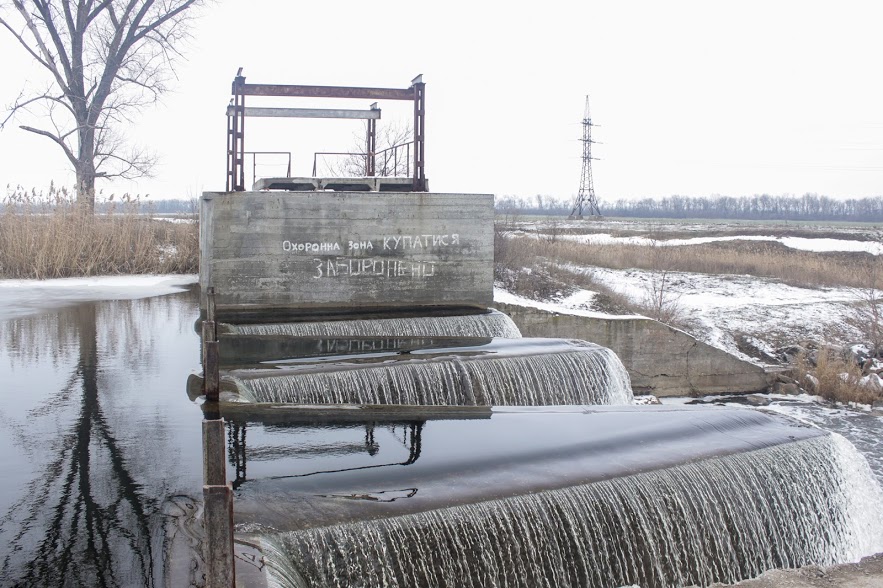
(660, 360)
(360, 184)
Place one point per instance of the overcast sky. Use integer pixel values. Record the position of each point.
(691, 98)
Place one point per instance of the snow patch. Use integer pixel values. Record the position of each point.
(820, 245)
(26, 297)
(572, 304)
(721, 308)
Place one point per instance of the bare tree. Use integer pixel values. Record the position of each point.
(867, 315)
(663, 304)
(106, 60)
(660, 299)
(394, 155)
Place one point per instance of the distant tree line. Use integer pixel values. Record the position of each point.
(757, 207)
(147, 206)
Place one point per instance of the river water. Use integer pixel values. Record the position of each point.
(102, 444)
(102, 455)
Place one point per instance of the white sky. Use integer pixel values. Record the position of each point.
(692, 98)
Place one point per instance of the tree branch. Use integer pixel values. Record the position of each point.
(49, 24)
(58, 141)
(153, 26)
(18, 105)
(24, 44)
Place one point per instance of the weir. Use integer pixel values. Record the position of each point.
(386, 427)
(532, 372)
(720, 519)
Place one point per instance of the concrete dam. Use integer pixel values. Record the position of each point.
(371, 420)
(383, 426)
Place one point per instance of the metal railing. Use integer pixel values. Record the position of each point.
(316, 158)
(388, 163)
(254, 162)
(391, 154)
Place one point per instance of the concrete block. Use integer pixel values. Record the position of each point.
(218, 546)
(660, 360)
(321, 251)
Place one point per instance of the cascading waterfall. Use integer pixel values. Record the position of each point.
(493, 324)
(722, 519)
(584, 375)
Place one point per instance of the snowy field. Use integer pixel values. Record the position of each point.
(820, 244)
(730, 312)
(750, 317)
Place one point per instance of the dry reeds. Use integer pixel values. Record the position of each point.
(50, 236)
(762, 259)
(835, 377)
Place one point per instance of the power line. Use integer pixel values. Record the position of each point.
(586, 200)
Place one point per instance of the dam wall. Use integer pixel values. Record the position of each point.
(315, 252)
(660, 360)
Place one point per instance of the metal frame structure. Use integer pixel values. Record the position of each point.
(586, 199)
(237, 112)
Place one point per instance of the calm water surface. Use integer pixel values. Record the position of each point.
(102, 447)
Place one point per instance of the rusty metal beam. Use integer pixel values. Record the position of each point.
(327, 92)
(306, 113)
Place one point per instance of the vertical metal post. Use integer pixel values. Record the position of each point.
(371, 144)
(232, 140)
(419, 133)
(236, 166)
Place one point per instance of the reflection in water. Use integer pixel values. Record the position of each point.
(237, 451)
(84, 501)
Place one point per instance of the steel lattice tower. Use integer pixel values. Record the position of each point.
(586, 200)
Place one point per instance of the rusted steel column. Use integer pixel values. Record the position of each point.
(236, 136)
(370, 146)
(419, 89)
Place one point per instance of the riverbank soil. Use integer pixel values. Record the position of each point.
(868, 573)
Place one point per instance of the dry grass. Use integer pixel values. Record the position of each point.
(528, 273)
(762, 259)
(49, 236)
(834, 377)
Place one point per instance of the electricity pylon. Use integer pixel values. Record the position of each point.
(586, 200)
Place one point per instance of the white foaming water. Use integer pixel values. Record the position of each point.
(585, 376)
(493, 324)
(719, 520)
(863, 496)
